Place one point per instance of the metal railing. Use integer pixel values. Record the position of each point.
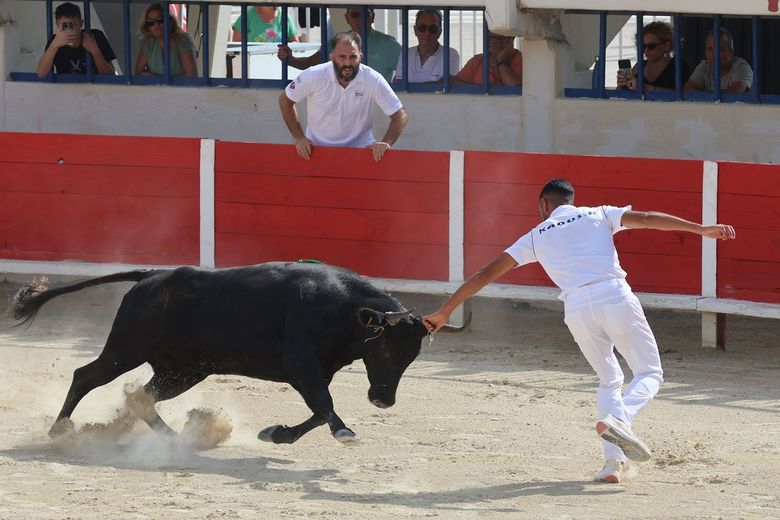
(469, 23)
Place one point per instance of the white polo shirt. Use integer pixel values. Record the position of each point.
(574, 246)
(432, 69)
(338, 116)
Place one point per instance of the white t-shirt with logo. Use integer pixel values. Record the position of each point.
(574, 246)
(338, 116)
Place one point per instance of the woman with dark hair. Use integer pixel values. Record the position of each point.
(150, 58)
(658, 43)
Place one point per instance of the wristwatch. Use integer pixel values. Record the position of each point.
(502, 62)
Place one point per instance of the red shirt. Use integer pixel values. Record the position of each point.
(472, 71)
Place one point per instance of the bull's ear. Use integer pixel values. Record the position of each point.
(371, 318)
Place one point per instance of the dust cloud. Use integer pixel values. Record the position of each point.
(127, 440)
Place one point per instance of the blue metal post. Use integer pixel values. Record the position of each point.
(128, 41)
(205, 42)
(166, 42)
(446, 23)
(602, 64)
(678, 79)
(324, 34)
(716, 58)
(756, 89)
(404, 47)
(88, 28)
(640, 54)
(244, 53)
(485, 54)
(50, 29)
(364, 28)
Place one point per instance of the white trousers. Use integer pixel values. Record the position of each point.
(605, 316)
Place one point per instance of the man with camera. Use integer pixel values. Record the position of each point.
(67, 49)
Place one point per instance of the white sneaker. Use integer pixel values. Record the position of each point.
(613, 430)
(612, 472)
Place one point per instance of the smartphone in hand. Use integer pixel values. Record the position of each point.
(68, 27)
(624, 68)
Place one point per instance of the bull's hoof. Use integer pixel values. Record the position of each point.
(278, 434)
(267, 435)
(345, 435)
(61, 427)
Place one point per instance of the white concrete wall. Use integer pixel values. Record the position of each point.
(707, 131)
(540, 121)
(437, 122)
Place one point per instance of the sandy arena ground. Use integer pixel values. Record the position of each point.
(496, 423)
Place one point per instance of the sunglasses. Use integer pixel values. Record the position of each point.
(150, 22)
(356, 14)
(653, 46)
(433, 28)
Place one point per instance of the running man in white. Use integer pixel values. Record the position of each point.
(574, 245)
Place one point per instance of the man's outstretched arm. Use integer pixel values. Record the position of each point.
(666, 222)
(492, 271)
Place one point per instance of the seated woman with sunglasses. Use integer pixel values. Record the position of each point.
(658, 38)
(150, 58)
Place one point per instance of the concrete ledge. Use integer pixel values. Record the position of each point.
(741, 307)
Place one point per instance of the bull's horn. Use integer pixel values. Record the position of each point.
(371, 318)
(394, 317)
(452, 329)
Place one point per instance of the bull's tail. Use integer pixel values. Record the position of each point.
(26, 303)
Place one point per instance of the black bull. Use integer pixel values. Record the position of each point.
(297, 323)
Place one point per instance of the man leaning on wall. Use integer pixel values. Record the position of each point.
(341, 96)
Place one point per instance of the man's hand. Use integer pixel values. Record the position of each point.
(284, 52)
(504, 54)
(378, 149)
(719, 231)
(89, 43)
(64, 38)
(303, 146)
(433, 322)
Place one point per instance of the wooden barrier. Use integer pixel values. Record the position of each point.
(98, 199)
(502, 190)
(386, 218)
(749, 199)
(76, 204)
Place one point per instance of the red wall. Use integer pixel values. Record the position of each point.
(386, 219)
(135, 200)
(749, 199)
(502, 190)
(99, 198)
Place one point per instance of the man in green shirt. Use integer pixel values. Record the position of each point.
(382, 49)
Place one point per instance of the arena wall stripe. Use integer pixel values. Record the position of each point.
(207, 230)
